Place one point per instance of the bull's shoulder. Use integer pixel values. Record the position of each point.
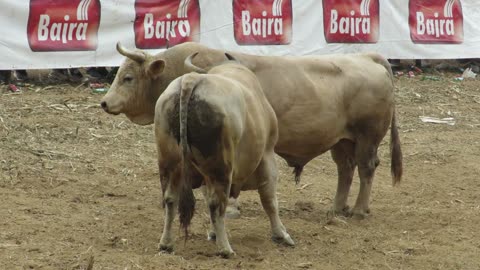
(351, 63)
(181, 51)
(233, 70)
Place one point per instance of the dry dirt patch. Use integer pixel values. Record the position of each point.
(76, 184)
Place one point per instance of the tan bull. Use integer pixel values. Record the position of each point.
(341, 103)
(221, 126)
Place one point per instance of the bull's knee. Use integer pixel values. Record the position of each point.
(213, 206)
(367, 170)
(168, 202)
(217, 209)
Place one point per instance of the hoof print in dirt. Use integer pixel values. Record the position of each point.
(306, 206)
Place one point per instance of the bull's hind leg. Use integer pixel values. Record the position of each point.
(166, 242)
(170, 202)
(211, 236)
(367, 160)
(343, 153)
(217, 199)
(232, 206)
(211, 232)
(267, 173)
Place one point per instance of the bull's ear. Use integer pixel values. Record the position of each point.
(155, 68)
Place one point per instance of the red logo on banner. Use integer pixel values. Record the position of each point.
(352, 21)
(436, 21)
(58, 25)
(157, 21)
(262, 22)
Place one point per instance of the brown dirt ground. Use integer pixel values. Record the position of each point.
(76, 183)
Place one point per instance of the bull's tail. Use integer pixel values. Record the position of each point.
(396, 166)
(186, 203)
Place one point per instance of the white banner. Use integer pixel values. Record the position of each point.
(39, 34)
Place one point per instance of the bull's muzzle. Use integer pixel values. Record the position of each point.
(105, 107)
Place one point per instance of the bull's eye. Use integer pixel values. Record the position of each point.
(127, 78)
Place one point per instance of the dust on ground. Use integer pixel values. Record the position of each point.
(78, 186)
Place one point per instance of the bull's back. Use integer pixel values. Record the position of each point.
(312, 98)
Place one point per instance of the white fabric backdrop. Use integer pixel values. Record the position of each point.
(216, 30)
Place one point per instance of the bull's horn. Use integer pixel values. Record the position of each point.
(136, 56)
(189, 65)
(230, 57)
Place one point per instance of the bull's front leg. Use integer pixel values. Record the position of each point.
(217, 197)
(343, 153)
(211, 232)
(233, 208)
(232, 212)
(367, 159)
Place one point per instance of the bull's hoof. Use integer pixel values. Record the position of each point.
(166, 248)
(226, 254)
(211, 236)
(285, 240)
(360, 214)
(334, 212)
(232, 212)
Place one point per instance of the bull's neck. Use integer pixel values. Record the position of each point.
(174, 69)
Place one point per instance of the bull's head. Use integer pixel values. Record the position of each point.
(133, 90)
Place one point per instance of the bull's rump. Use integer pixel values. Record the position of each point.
(223, 116)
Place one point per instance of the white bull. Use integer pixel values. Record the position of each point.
(221, 126)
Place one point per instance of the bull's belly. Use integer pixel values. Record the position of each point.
(249, 173)
(243, 175)
(304, 135)
(298, 151)
(252, 182)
